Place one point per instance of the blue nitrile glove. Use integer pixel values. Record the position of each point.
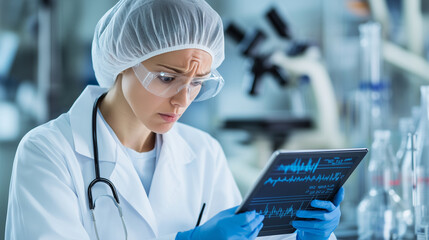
(325, 220)
(226, 225)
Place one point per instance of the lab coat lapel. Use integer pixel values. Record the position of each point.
(129, 186)
(169, 176)
(80, 120)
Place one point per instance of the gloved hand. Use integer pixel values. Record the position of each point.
(325, 220)
(226, 225)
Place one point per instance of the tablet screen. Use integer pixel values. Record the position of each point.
(292, 179)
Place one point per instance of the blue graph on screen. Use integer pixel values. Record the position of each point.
(310, 178)
(293, 180)
(279, 211)
(299, 166)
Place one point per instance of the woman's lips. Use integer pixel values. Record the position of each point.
(168, 117)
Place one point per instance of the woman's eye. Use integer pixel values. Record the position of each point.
(166, 79)
(197, 83)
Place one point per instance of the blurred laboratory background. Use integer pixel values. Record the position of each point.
(306, 74)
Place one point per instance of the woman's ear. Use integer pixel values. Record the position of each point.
(121, 75)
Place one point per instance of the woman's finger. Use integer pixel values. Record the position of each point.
(255, 233)
(339, 197)
(245, 218)
(316, 214)
(254, 224)
(327, 205)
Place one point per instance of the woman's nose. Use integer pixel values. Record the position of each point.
(182, 97)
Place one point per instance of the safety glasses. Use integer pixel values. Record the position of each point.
(166, 85)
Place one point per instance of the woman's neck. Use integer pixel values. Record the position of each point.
(120, 117)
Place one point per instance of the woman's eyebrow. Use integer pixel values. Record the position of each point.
(180, 71)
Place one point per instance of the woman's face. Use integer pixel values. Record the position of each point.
(159, 114)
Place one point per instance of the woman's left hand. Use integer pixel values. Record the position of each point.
(323, 222)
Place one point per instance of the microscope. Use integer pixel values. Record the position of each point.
(289, 66)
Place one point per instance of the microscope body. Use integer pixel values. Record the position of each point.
(326, 131)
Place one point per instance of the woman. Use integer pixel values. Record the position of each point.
(152, 58)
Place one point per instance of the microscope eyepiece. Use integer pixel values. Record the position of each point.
(279, 24)
(235, 32)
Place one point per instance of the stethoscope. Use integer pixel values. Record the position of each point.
(99, 179)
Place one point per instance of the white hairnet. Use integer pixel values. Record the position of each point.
(135, 30)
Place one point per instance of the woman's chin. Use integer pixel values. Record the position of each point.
(161, 129)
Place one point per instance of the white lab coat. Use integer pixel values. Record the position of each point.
(54, 165)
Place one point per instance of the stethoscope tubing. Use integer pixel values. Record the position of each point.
(97, 178)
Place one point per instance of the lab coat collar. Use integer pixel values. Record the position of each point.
(81, 125)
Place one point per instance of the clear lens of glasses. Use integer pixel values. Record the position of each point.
(166, 85)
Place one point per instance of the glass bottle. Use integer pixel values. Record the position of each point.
(403, 155)
(373, 84)
(406, 126)
(422, 169)
(407, 181)
(381, 213)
